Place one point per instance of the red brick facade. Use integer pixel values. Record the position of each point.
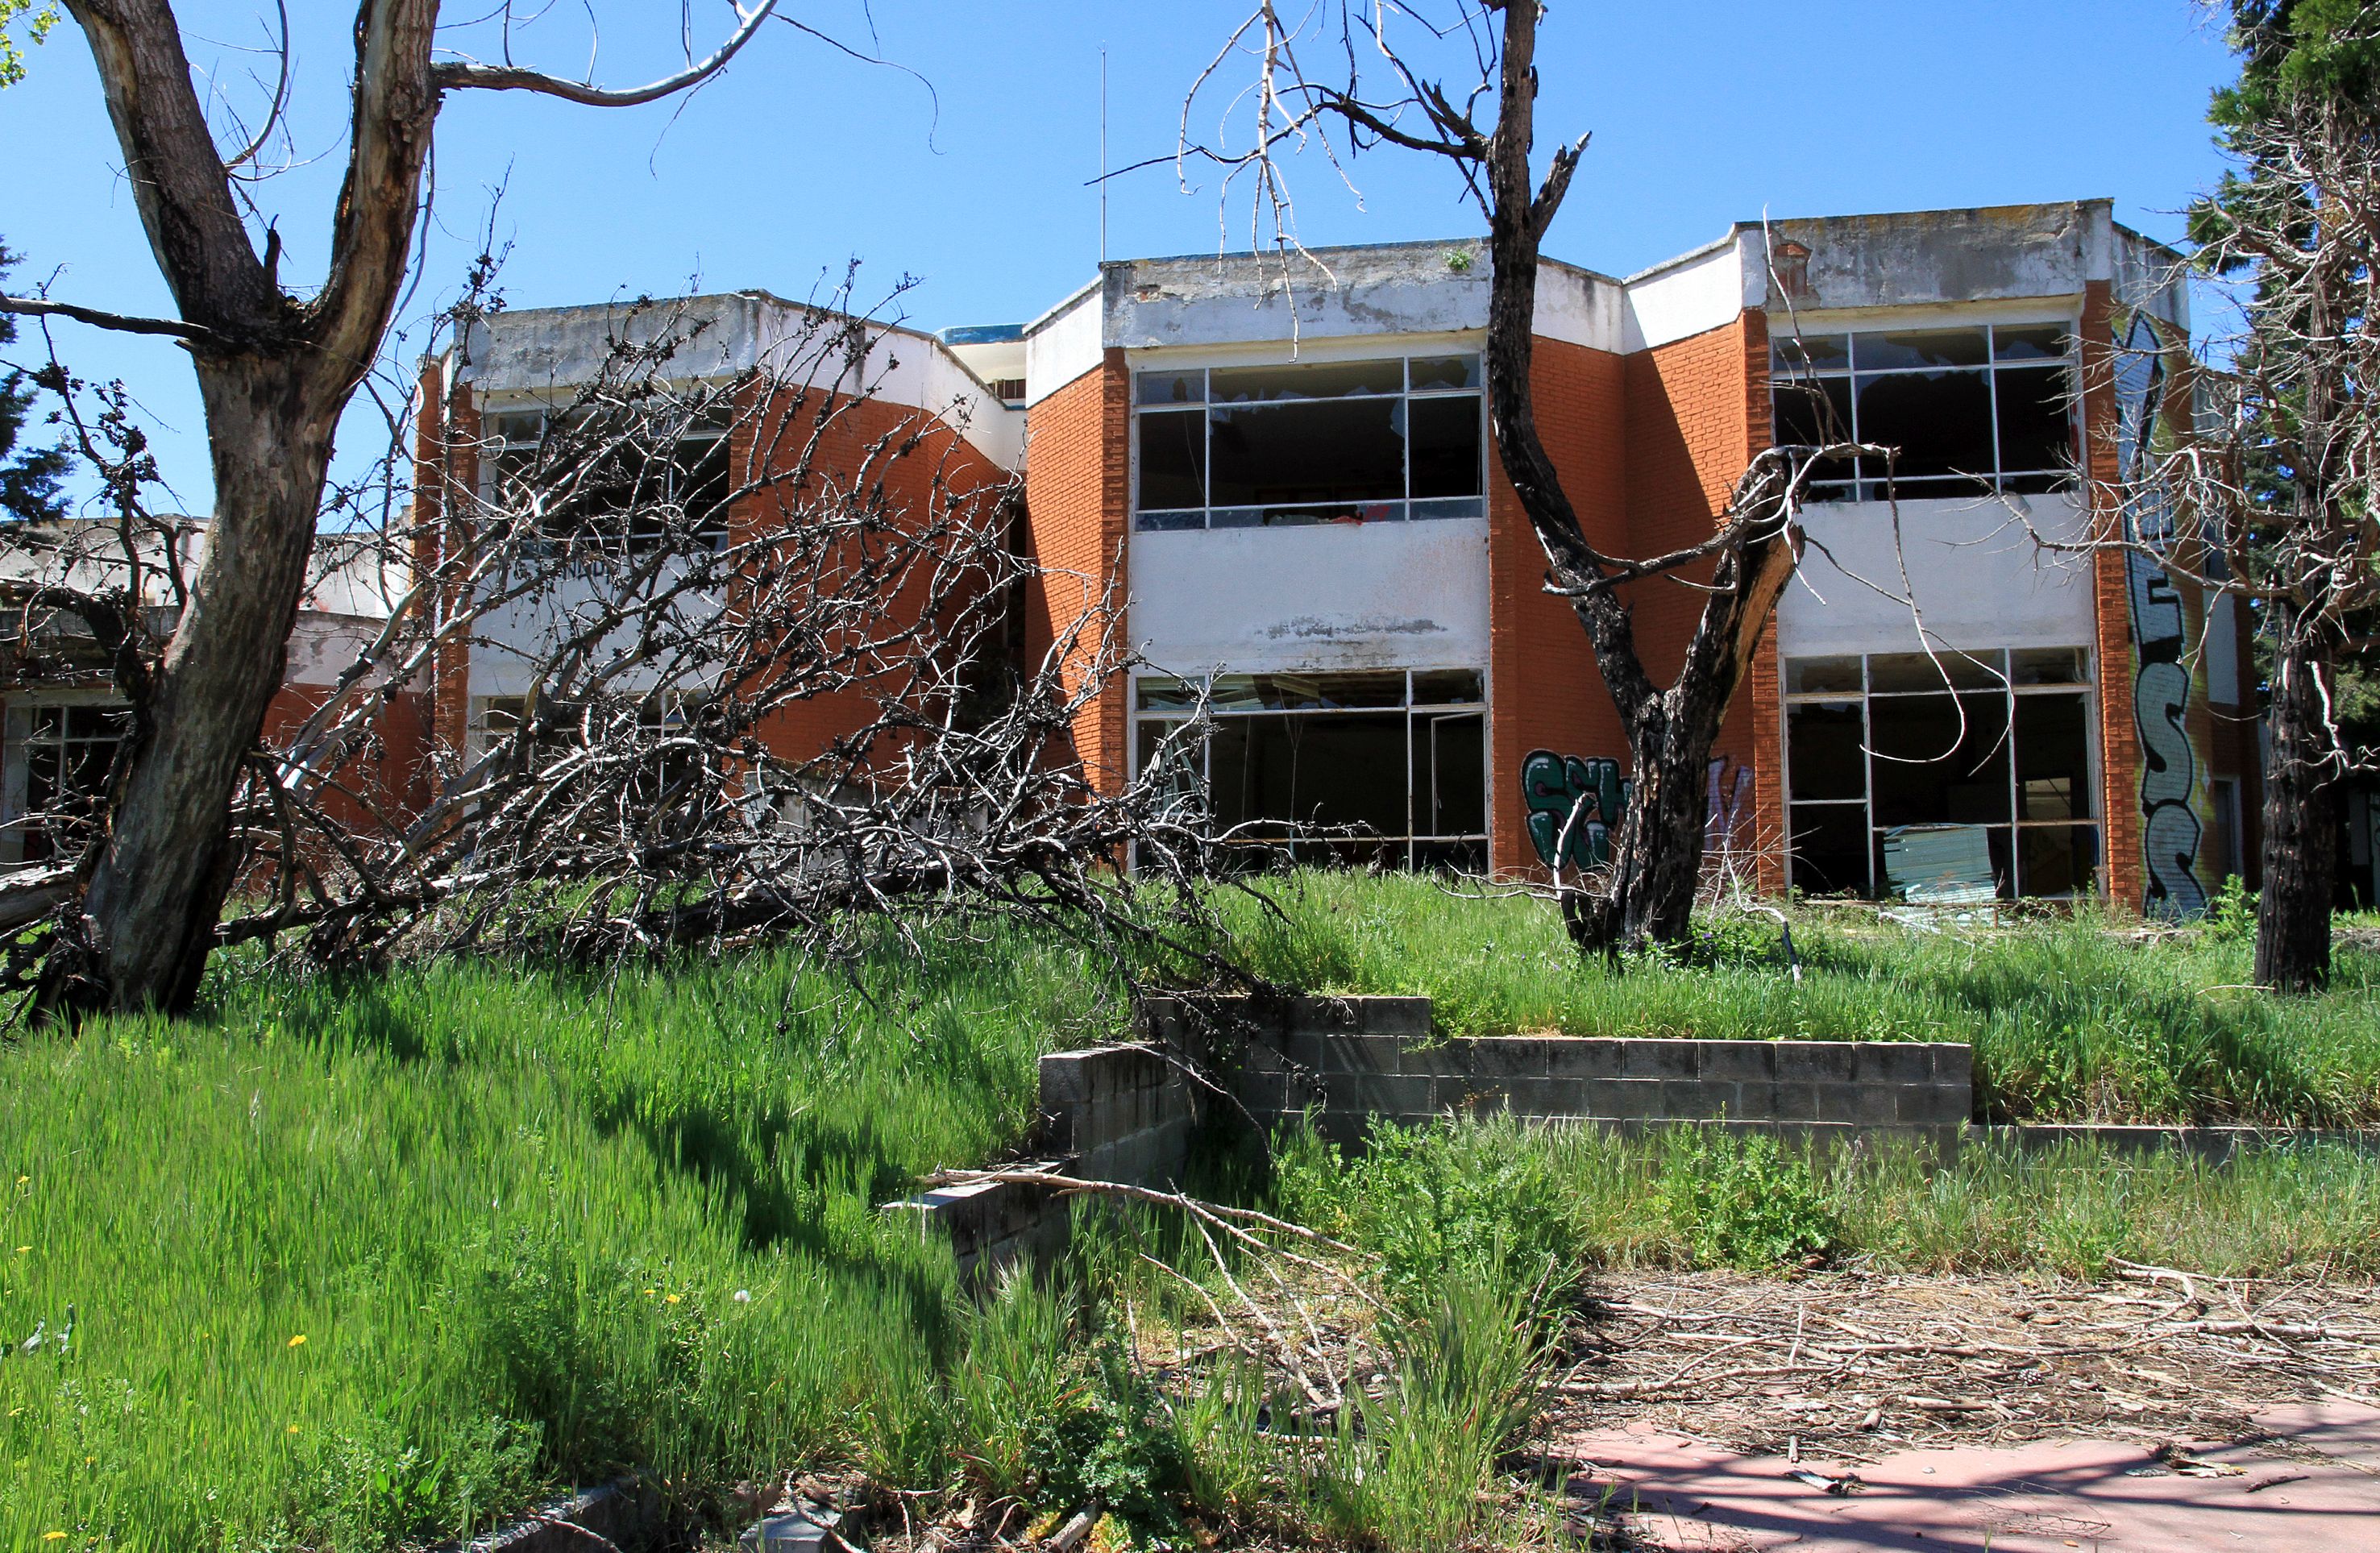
(1078, 489)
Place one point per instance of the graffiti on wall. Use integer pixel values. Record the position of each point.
(2174, 795)
(1554, 788)
(1584, 795)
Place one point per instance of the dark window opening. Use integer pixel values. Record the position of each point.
(598, 486)
(1968, 410)
(57, 763)
(1314, 443)
(1386, 767)
(1942, 780)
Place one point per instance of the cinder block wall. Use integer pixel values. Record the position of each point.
(1130, 1113)
(1351, 1060)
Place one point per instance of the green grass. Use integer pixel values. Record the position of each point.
(355, 1264)
(2070, 1020)
(1439, 1201)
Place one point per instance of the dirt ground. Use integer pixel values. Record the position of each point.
(1856, 1412)
(1855, 1364)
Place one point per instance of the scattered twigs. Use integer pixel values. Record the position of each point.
(1854, 1358)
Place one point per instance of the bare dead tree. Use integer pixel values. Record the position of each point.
(1381, 96)
(760, 629)
(276, 365)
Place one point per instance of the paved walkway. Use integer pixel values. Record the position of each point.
(2310, 1484)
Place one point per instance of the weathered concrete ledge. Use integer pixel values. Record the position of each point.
(1120, 1113)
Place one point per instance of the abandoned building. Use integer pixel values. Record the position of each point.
(1282, 471)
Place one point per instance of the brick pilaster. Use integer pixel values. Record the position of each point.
(2124, 878)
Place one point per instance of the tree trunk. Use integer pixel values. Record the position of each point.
(2301, 847)
(169, 860)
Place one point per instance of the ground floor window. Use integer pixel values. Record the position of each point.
(53, 763)
(1948, 780)
(1373, 767)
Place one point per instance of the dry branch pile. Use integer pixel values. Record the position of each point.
(1855, 1366)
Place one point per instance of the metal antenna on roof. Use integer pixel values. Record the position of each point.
(1103, 153)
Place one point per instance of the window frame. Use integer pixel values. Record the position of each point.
(1862, 486)
(1416, 714)
(2005, 685)
(1405, 508)
(17, 743)
(500, 426)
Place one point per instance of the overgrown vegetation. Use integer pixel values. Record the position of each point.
(344, 1264)
(1701, 1197)
(347, 1265)
(2071, 1019)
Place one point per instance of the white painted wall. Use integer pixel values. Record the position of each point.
(1973, 570)
(1687, 296)
(518, 637)
(1062, 344)
(543, 355)
(1331, 596)
(1395, 288)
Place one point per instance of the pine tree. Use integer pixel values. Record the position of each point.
(29, 479)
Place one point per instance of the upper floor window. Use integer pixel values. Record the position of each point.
(1983, 408)
(614, 488)
(1241, 447)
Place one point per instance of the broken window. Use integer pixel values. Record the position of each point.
(54, 768)
(591, 483)
(1983, 408)
(1952, 777)
(1239, 447)
(1392, 766)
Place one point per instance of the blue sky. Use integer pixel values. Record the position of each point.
(1703, 112)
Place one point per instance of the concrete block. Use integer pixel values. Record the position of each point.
(1788, 1101)
(1661, 1059)
(1585, 1057)
(1325, 1015)
(1868, 1105)
(1738, 1062)
(1931, 1105)
(1813, 1061)
(1405, 1017)
(1547, 1097)
(1356, 1053)
(1689, 1099)
(1486, 1100)
(1892, 1062)
(1954, 1062)
(1390, 1093)
(1444, 1059)
(1065, 1078)
(1602, 1098)
(1501, 1056)
(1634, 1098)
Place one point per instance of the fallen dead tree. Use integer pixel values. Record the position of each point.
(771, 690)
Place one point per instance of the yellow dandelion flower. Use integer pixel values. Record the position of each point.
(669, 1299)
(293, 1428)
(53, 1537)
(298, 1342)
(651, 1290)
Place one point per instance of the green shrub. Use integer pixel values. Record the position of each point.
(1407, 1470)
(1738, 1200)
(1447, 1201)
